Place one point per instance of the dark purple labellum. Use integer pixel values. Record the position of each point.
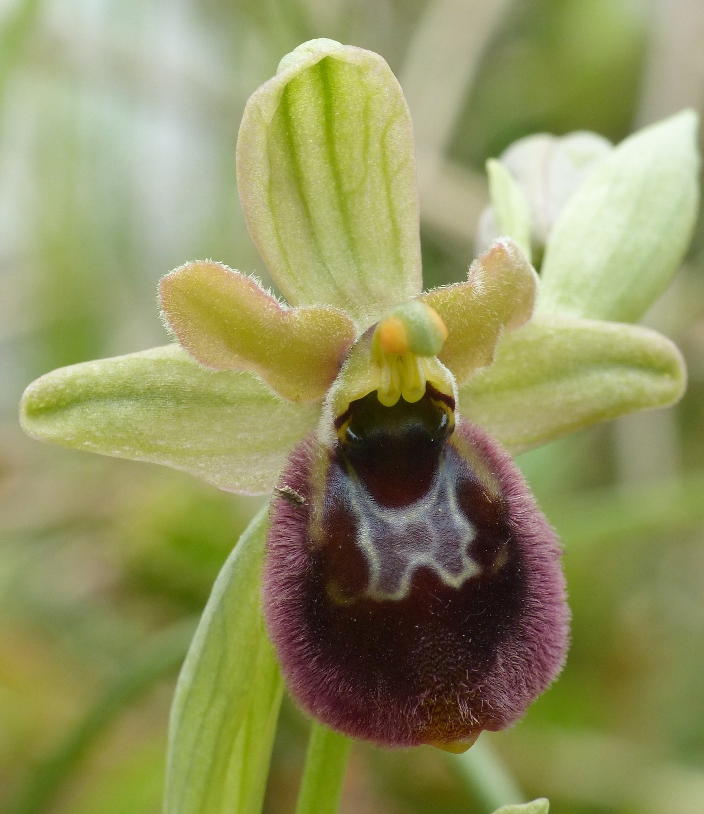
(412, 589)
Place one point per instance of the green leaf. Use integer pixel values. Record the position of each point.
(556, 375)
(227, 321)
(228, 694)
(498, 295)
(326, 177)
(539, 806)
(159, 405)
(511, 208)
(625, 231)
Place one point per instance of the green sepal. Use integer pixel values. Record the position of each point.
(227, 321)
(228, 694)
(556, 375)
(227, 428)
(326, 176)
(624, 232)
(539, 806)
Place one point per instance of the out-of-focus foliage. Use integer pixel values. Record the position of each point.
(117, 129)
(556, 65)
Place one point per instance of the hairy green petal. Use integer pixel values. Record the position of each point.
(326, 176)
(227, 428)
(624, 232)
(228, 695)
(511, 209)
(554, 376)
(228, 322)
(499, 294)
(539, 806)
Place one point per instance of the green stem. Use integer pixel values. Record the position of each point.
(486, 777)
(324, 772)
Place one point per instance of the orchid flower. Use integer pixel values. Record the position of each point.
(412, 589)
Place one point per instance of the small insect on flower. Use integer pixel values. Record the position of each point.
(414, 591)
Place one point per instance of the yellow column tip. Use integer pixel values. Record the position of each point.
(392, 335)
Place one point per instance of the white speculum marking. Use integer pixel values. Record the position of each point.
(432, 533)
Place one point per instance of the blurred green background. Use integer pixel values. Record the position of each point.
(117, 127)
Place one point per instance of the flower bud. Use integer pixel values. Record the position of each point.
(547, 170)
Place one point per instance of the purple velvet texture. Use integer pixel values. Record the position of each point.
(442, 663)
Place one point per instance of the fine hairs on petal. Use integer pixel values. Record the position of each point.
(417, 675)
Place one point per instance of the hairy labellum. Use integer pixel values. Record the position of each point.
(413, 588)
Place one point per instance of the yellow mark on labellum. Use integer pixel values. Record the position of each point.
(456, 747)
(501, 559)
(338, 596)
(404, 345)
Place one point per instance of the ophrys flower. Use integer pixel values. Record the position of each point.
(412, 588)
